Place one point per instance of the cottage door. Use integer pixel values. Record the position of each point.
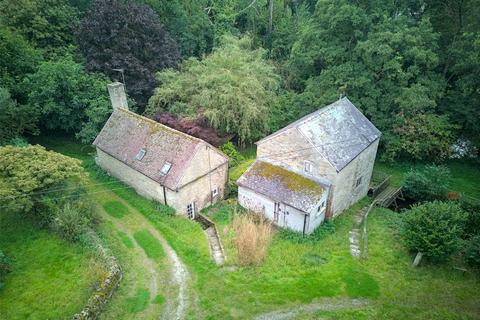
(284, 215)
(276, 212)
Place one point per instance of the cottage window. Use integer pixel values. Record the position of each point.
(140, 154)
(359, 182)
(214, 192)
(166, 168)
(308, 166)
(191, 211)
(320, 208)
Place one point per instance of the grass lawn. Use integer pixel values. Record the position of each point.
(51, 278)
(464, 175)
(303, 271)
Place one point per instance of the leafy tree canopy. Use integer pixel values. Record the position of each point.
(47, 24)
(233, 88)
(17, 59)
(125, 35)
(68, 98)
(187, 22)
(28, 173)
(434, 228)
(15, 120)
(386, 64)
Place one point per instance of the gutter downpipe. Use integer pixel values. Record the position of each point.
(304, 224)
(164, 195)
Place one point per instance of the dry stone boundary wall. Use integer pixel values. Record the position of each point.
(107, 287)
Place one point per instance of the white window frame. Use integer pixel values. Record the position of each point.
(215, 192)
(191, 211)
(166, 168)
(141, 154)
(307, 166)
(320, 209)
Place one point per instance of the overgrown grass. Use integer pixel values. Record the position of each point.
(139, 302)
(464, 175)
(149, 244)
(297, 271)
(51, 278)
(115, 209)
(125, 240)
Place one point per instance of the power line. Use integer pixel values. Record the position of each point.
(83, 194)
(57, 190)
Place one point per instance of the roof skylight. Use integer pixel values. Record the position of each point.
(166, 168)
(140, 154)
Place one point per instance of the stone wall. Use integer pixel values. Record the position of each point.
(107, 287)
(345, 192)
(199, 190)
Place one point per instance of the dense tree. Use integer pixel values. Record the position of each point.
(17, 59)
(47, 24)
(15, 119)
(116, 34)
(386, 64)
(187, 22)
(68, 98)
(27, 174)
(233, 88)
(434, 228)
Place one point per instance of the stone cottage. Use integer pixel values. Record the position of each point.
(320, 165)
(160, 163)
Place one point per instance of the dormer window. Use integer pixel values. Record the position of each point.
(140, 154)
(166, 168)
(308, 166)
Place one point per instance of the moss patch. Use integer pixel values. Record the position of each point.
(289, 179)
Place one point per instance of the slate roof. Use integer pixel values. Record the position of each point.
(126, 133)
(339, 131)
(283, 185)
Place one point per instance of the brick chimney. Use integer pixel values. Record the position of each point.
(117, 95)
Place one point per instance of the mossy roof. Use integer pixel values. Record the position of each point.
(283, 185)
(126, 133)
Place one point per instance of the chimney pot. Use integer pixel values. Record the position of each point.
(117, 94)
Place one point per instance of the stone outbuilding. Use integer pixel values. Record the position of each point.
(161, 163)
(334, 148)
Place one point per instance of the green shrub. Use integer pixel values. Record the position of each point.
(232, 152)
(427, 184)
(434, 228)
(5, 267)
(472, 251)
(472, 208)
(72, 220)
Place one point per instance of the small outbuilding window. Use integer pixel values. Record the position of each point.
(308, 166)
(214, 192)
(140, 154)
(166, 168)
(359, 182)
